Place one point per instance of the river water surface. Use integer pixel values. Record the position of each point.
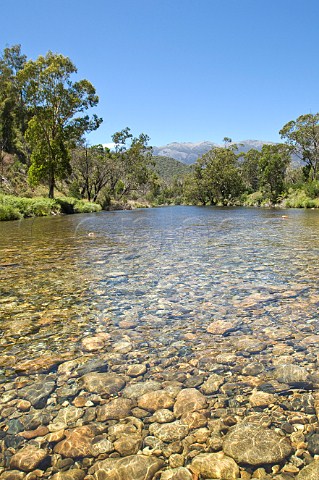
(172, 295)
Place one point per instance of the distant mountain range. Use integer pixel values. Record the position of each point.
(187, 152)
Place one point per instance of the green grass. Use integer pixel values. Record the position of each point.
(305, 196)
(300, 198)
(73, 205)
(15, 208)
(86, 207)
(256, 199)
(8, 212)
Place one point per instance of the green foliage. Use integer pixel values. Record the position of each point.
(49, 159)
(93, 168)
(70, 205)
(168, 168)
(29, 207)
(43, 119)
(57, 104)
(294, 177)
(105, 199)
(255, 199)
(312, 189)
(216, 178)
(133, 162)
(303, 136)
(14, 208)
(298, 198)
(8, 212)
(250, 169)
(168, 193)
(86, 207)
(273, 163)
(13, 113)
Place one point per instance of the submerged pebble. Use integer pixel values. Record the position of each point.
(171, 344)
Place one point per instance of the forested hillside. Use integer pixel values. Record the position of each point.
(168, 168)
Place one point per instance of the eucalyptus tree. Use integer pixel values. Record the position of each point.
(217, 177)
(133, 157)
(227, 141)
(92, 170)
(57, 104)
(302, 135)
(250, 169)
(273, 163)
(13, 114)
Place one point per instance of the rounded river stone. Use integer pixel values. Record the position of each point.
(139, 467)
(310, 472)
(254, 445)
(291, 374)
(155, 400)
(179, 473)
(189, 400)
(114, 410)
(103, 383)
(169, 432)
(215, 465)
(28, 458)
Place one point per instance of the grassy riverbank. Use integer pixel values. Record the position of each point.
(15, 208)
(293, 198)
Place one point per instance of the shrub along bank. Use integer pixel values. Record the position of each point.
(15, 208)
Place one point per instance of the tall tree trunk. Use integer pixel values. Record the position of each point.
(51, 183)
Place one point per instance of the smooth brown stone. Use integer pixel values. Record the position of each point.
(102, 383)
(114, 410)
(189, 400)
(38, 432)
(80, 401)
(7, 360)
(40, 364)
(128, 444)
(24, 405)
(12, 475)
(133, 467)
(215, 465)
(219, 327)
(261, 399)
(169, 432)
(194, 420)
(136, 370)
(77, 443)
(178, 473)
(55, 437)
(28, 458)
(91, 344)
(254, 445)
(310, 472)
(73, 474)
(157, 400)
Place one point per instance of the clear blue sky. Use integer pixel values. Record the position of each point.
(181, 70)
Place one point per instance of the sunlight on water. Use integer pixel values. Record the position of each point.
(187, 328)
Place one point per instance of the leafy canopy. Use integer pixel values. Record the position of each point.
(303, 135)
(216, 177)
(57, 104)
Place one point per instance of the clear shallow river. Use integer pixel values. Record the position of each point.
(142, 288)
